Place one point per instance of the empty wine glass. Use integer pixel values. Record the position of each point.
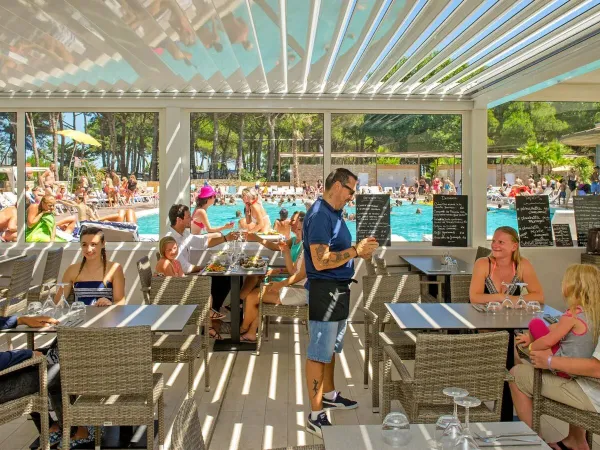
(521, 305)
(441, 426)
(507, 303)
(494, 307)
(396, 429)
(62, 307)
(534, 307)
(466, 441)
(49, 306)
(34, 308)
(78, 309)
(455, 392)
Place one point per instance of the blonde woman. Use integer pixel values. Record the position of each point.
(168, 265)
(503, 267)
(257, 220)
(567, 347)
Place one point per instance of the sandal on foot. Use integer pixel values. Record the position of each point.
(215, 315)
(245, 339)
(214, 334)
(562, 445)
(90, 438)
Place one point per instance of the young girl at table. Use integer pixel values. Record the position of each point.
(168, 265)
(576, 333)
(95, 280)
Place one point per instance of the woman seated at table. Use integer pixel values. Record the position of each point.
(95, 281)
(289, 291)
(168, 265)
(504, 266)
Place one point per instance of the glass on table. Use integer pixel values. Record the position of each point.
(521, 305)
(78, 309)
(466, 440)
(507, 303)
(534, 307)
(62, 308)
(34, 308)
(494, 307)
(396, 430)
(49, 306)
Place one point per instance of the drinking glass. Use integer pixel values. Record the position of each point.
(396, 429)
(507, 303)
(534, 307)
(521, 305)
(62, 307)
(78, 309)
(466, 441)
(34, 308)
(494, 307)
(442, 425)
(48, 307)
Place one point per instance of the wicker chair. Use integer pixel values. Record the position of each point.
(187, 429)
(99, 364)
(303, 447)
(378, 290)
(482, 252)
(588, 420)
(37, 402)
(267, 310)
(459, 288)
(49, 278)
(17, 290)
(145, 272)
(475, 362)
(186, 347)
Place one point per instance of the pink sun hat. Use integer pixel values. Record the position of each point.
(206, 192)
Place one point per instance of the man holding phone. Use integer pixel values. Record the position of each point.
(329, 268)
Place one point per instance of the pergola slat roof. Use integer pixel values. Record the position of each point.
(439, 49)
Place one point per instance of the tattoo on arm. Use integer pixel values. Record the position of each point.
(315, 388)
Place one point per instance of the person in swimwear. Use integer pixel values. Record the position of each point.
(200, 222)
(87, 212)
(256, 218)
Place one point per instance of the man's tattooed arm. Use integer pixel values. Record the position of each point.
(323, 259)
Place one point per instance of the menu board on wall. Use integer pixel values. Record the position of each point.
(373, 218)
(450, 220)
(562, 235)
(587, 215)
(533, 217)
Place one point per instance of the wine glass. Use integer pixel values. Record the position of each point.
(507, 302)
(534, 307)
(34, 308)
(396, 429)
(494, 307)
(62, 307)
(49, 306)
(455, 392)
(466, 441)
(521, 305)
(78, 309)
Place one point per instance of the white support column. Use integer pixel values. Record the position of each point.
(326, 144)
(474, 184)
(174, 154)
(20, 175)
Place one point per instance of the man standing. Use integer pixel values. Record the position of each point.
(48, 178)
(329, 270)
(595, 179)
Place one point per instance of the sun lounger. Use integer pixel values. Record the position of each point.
(114, 231)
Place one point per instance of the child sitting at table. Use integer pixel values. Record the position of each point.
(576, 333)
(168, 265)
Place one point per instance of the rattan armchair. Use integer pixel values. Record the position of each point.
(17, 290)
(187, 429)
(37, 402)
(145, 272)
(378, 290)
(267, 310)
(460, 284)
(475, 362)
(108, 373)
(482, 252)
(49, 277)
(186, 347)
(303, 447)
(588, 420)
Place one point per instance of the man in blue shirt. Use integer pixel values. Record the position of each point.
(329, 270)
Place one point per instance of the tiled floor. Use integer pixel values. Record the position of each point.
(260, 402)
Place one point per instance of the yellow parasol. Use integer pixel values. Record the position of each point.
(79, 136)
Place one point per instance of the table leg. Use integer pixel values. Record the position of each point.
(30, 341)
(447, 296)
(234, 343)
(506, 414)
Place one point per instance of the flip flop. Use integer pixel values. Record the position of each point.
(215, 334)
(245, 339)
(215, 315)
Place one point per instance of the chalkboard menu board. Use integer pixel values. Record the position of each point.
(533, 217)
(587, 215)
(562, 235)
(450, 220)
(373, 218)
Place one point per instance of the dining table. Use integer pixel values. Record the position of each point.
(422, 437)
(467, 317)
(432, 266)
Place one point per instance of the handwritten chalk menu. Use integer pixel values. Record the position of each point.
(373, 218)
(533, 218)
(562, 235)
(587, 215)
(450, 220)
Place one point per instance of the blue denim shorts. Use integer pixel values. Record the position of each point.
(325, 338)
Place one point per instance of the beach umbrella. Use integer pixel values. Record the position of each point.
(79, 136)
(561, 169)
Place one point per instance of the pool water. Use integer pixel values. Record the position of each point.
(404, 220)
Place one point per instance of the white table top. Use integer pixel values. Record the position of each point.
(432, 265)
(369, 437)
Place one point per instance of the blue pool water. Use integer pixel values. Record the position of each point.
(405, 222)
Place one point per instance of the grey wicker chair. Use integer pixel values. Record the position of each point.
(378, 290)
(186, 347)
(98, 363)
(49, 277)
(303, 447)
(17, 290)
(145, 272)
(187, 429)
(482, 252)
(267, 310)
(588, 420)
(475, 362)
(37, 402)
(460, 284)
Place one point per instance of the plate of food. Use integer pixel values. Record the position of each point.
(215, 267)
(270, 235)
(253, 262)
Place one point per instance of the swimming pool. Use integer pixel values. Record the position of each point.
(405, 222)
